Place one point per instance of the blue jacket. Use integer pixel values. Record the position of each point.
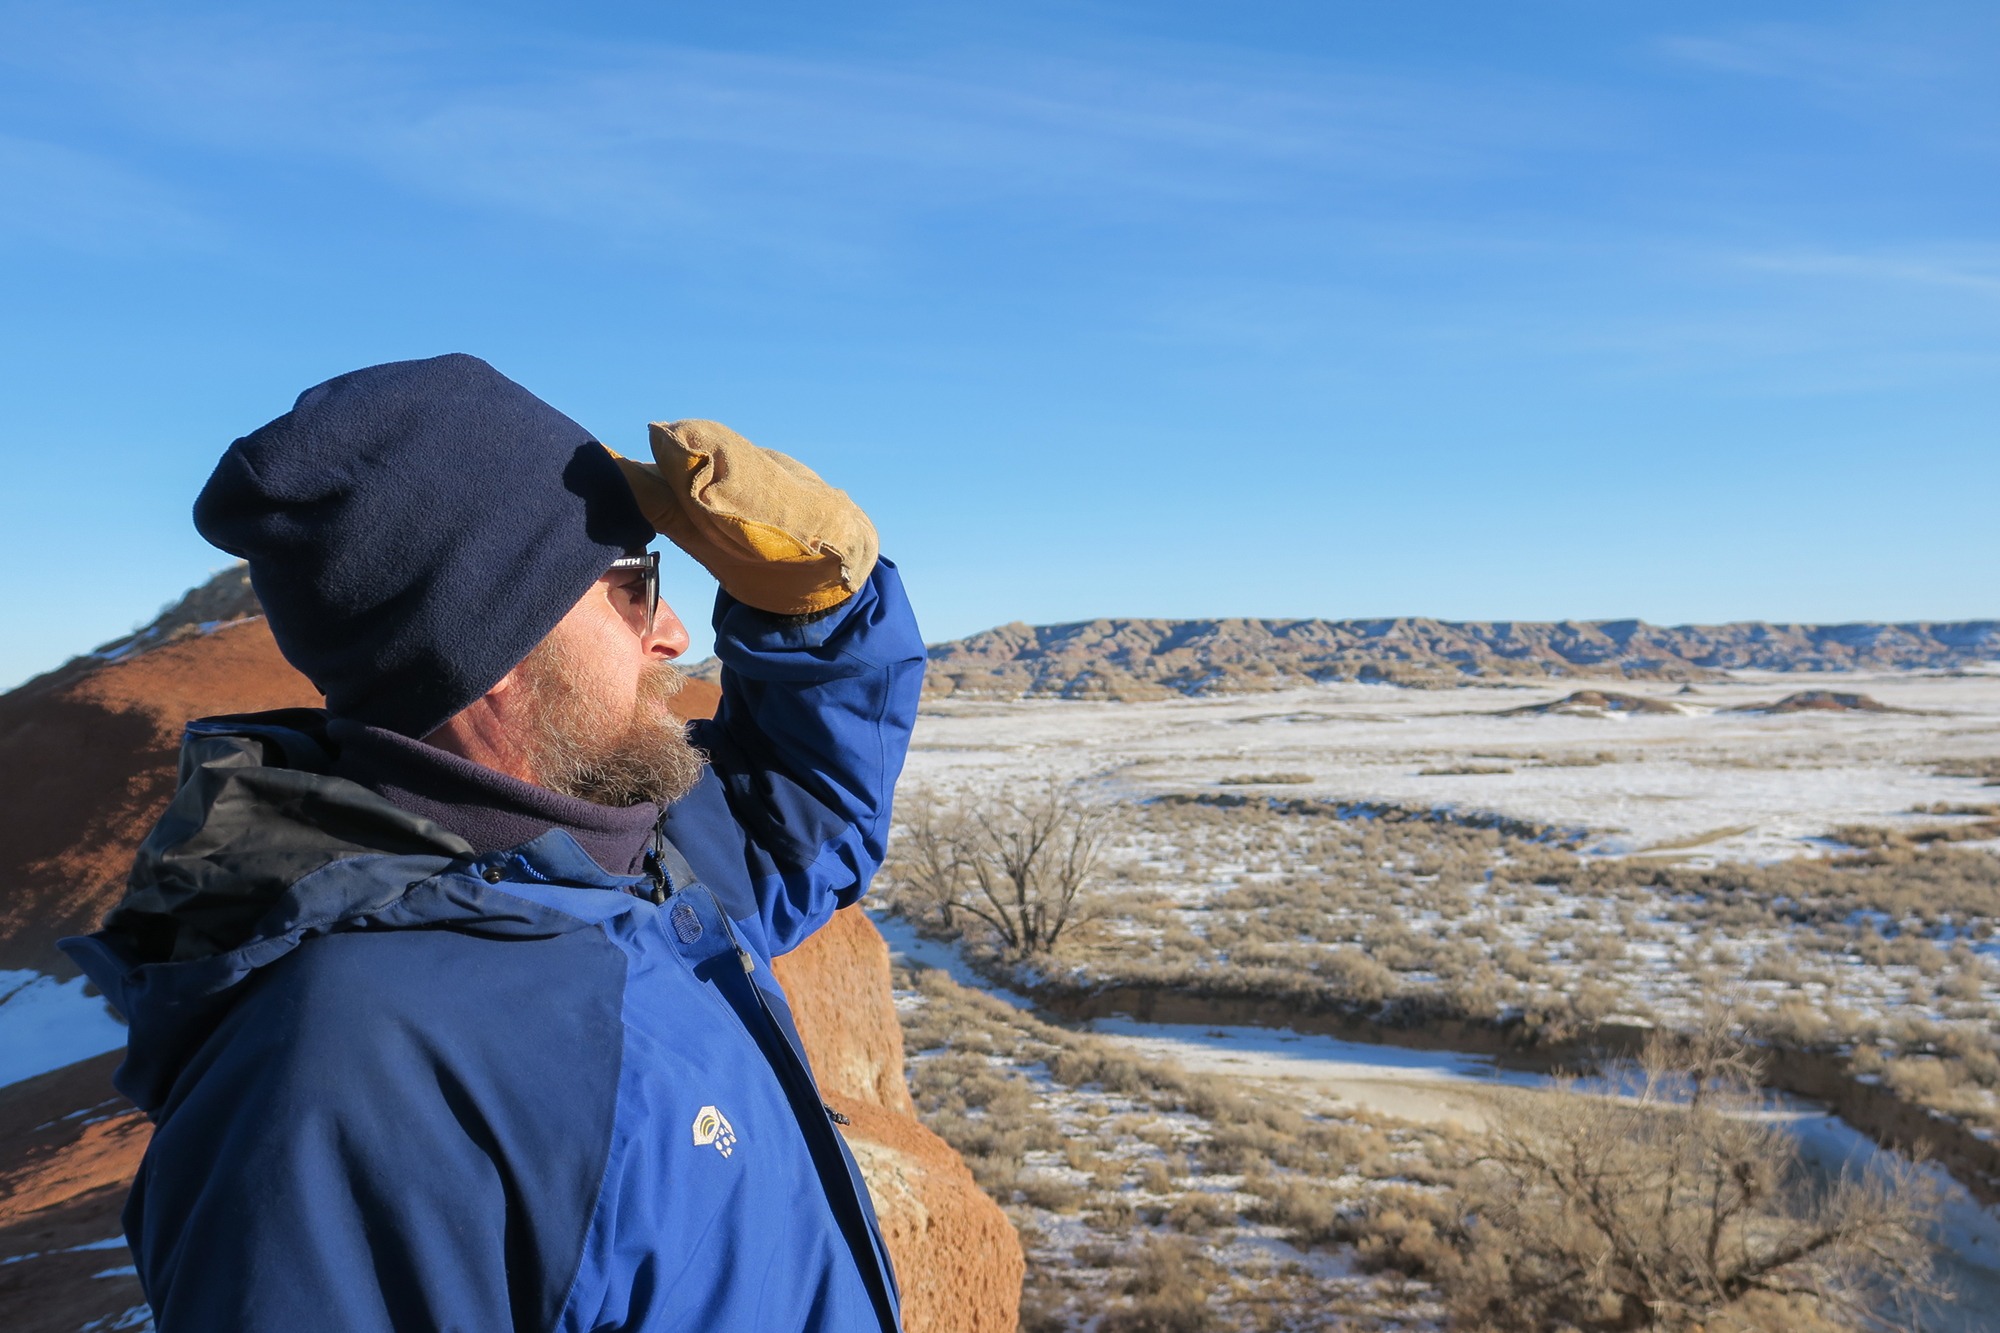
(400, 1086)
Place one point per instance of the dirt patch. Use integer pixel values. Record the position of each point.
(836, 982)
(69, 1145)
(1593, 701)
(1822, 701)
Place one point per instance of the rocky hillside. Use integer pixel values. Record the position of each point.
(225, 599)
(1153, 659)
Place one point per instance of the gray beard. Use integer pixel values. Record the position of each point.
(583, 745)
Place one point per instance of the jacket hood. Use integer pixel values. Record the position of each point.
(262, 848)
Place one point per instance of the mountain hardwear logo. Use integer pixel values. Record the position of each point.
(711, 1126)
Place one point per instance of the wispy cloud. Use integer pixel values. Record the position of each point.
(1973, 271)
(1833, 57)
(643, 139)
(54, 195)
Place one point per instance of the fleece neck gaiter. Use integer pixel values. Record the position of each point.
(488, 809)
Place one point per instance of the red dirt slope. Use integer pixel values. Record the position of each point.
(69, 1147)
(87, 763)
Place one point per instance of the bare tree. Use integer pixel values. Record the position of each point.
(1019, 861)
(1672, 1206)
(927, 870)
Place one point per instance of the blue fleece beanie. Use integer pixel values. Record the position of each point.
(414, 529)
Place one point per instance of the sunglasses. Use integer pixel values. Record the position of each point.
(648, 566)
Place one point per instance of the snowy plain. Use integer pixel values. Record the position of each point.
(1705, 782)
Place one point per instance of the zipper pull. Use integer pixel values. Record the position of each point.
(835, 1116)
(661, 885)
(743, 957)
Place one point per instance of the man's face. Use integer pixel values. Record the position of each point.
(598, 689)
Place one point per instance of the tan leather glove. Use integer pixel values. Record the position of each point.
(774, 535)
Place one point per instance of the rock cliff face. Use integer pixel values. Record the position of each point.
(1153, 659)
(87, 760)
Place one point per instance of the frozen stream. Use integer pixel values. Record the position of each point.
(1448, 1085)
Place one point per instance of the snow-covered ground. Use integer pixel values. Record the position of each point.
(1720, 784)
(46, 1024)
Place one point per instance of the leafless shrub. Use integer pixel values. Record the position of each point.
(1053, 1193)
(1578, 760)
(1598, 947)
(1410, 1231)
(1594, 1001)
(1777, 965)
(1168, 1291)
(1965, 986)
(1669, 1209)
(1987, 766)
(1307, 1209)
(1796, 1023)
(1197, 1213)
(1871, 836)
(927, 870)
(1017, 861)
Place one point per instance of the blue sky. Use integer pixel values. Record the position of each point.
(1540, 310)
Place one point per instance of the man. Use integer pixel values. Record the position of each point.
(452, 1002)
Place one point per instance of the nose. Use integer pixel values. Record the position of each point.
(668, 638)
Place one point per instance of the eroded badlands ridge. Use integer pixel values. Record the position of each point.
(1154, 659)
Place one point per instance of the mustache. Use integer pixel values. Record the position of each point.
(659, 683)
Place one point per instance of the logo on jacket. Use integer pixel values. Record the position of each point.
(711, 1126)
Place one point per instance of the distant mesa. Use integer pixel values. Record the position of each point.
(1130, 660)
(1822, 701)
(1594, 703)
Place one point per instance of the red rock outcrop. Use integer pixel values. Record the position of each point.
(836, 982)
(87, 760)
(957, 1256)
